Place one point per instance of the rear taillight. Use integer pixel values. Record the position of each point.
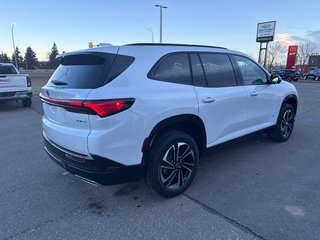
(28, 81)
(103, 108)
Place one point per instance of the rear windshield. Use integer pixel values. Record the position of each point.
(85, 71)
(7, 70)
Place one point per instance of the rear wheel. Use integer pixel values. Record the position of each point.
(289, 79)
(172, 164)
(26, 102)
(282, 131)
(316, 78)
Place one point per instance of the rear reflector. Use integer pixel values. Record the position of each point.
(103, 108)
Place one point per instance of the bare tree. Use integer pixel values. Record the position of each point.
(305, 49)
(275, 49)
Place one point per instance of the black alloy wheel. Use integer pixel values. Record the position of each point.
(173, 164)
(283, 129)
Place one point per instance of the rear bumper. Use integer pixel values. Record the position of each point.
(17, 95)
(94, 168)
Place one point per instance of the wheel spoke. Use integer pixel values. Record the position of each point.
(186, 154)
(179, 178)
(167, 167)
(165, 157)
(169, 179)
(184, 166)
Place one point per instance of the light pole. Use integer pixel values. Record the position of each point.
(151, 33)
(14, 47)
(161, 7)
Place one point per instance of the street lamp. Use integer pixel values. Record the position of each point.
(161, 7)
(14, 47)
(151, 33)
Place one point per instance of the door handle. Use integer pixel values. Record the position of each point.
(254, 94)
(208, 100)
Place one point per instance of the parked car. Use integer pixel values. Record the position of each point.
(116, 114)
(14, 86)
(315, 74)
(289, 75)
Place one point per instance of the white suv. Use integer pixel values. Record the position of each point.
(115, 114)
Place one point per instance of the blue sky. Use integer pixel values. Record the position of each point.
(232, 24)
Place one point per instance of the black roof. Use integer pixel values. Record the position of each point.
(171, 44)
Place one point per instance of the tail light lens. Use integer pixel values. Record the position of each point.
(28, 81)
(103, 108)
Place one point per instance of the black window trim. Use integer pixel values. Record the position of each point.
(155, 67)
(237, 69)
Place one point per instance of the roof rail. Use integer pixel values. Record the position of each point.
(171, 44)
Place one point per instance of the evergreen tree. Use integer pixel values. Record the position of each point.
(30, 59)
(19, 58)
(52, 56)
(4, 58)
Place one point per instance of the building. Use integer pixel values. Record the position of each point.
(314, 62)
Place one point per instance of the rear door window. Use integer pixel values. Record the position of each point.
(218, 70)
(172, 68)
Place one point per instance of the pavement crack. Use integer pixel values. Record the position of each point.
(230, 220)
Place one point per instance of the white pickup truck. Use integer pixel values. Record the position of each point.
(14, 86)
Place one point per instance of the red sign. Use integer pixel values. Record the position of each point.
(292, 54)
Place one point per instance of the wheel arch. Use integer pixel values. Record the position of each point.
(188, 123)
(292, 100)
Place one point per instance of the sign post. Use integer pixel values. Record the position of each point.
(265, 34)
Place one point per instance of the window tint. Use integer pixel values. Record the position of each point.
(121, 63)
(252, 74)
(197, 71)
(7, 70)
(218, 70)
(89, 70)
(173, 68)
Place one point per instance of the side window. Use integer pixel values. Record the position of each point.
(173, 68)
(218, 70)
(197, 71)
(252, 74)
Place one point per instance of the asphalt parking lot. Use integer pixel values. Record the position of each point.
(250, 188)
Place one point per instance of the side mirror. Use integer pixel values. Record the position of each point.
(275, 79)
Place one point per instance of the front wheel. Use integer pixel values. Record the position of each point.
(289, 79)
(282, 131)
(317, 78)
(172, 163)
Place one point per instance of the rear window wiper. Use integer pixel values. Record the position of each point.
(57, 82)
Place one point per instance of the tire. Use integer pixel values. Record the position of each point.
(289, 79)
(316, 78)
(170, 173)
(285, 123)
(26, 102)
(305, 77)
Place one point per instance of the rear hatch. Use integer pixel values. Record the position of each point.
(10, 80)
(64, 122)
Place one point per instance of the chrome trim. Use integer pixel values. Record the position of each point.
(86, 180)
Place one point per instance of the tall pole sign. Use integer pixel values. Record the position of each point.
(292, 54)
(265, 34)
